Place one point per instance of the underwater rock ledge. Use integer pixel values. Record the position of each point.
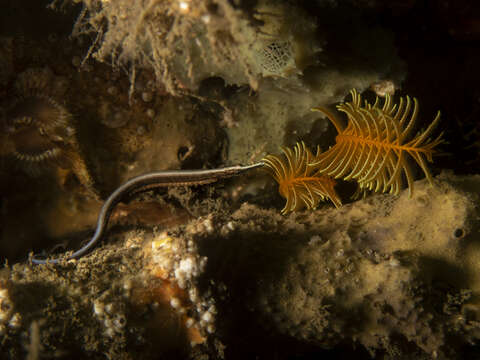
(397, 276)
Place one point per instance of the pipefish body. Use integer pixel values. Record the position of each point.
(145, 182)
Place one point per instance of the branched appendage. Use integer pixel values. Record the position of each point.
(376, 146)
(145, 182)
(301, 185)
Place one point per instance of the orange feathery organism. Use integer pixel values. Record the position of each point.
(374, 148)
(301, 185)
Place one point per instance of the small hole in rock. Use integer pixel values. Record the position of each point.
(212, 8)
(182, 153)
(459, 233)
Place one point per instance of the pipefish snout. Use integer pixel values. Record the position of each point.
(145, 182)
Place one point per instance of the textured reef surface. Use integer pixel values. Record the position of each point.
(397, 276)
(95, 92)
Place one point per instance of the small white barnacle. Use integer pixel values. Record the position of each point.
(175, 303)
(98, 308)
(15, 321)
(119, 322)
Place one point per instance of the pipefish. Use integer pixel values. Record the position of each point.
(145, 182)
